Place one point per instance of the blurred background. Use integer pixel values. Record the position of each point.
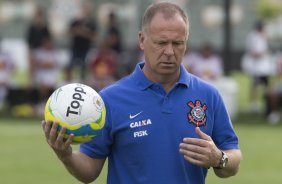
(235, 45)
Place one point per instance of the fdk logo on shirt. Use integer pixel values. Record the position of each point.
(141, 123)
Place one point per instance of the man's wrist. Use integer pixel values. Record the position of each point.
(65, 157)
(223, 161)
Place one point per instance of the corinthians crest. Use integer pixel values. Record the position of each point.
(197, 115)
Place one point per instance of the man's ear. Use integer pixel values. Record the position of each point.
(141, 40)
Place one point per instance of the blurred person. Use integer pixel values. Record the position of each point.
(6, 68)
(163, 125)
(274, 96)
(113, 34)
(102, 67)
(206, 65)
(112, 43)
(189, 58)
(83, 30)
(257, 62)
(128, 60)
(46, 71)
(37, 31)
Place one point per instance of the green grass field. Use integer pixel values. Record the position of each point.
(25, 157)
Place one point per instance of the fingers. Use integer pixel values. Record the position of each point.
(192, 148)
(46, 125)
(195, 158)
(61, 133)
(196, 141)
(57, 139)
(202, 135)
(195, 161)
(54, 137)
(198, 151)
(53, 133)
(195, 154)
(69, 140)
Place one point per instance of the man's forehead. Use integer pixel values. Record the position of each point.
(173, 25)
(159, 20)
(161, 16)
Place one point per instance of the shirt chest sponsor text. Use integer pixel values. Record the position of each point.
(142, 123)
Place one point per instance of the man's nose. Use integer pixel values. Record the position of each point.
(169, 50)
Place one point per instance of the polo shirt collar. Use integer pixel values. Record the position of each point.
(143, 82)
(138, 76)
(184, 78)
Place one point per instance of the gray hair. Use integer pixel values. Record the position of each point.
(166, 8)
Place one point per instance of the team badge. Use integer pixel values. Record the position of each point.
(197, 115)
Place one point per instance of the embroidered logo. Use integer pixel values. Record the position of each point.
(135, 115)
(197, 115)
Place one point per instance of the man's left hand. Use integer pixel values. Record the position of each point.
(201, 151)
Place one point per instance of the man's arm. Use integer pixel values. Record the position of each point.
(81, 166)
(234, 158)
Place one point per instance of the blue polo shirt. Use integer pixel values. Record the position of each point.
(145, 125)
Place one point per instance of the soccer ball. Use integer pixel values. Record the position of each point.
(79, 108)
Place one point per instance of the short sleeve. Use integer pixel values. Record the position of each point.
(100, 146)
(223, 134)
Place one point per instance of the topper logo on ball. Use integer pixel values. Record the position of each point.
(75, 104)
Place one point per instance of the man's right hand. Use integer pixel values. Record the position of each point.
(60, 145)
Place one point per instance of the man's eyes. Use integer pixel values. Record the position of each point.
(177, 43)
(174, 43)
(162, 43)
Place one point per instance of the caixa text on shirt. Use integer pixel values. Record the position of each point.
(140, 123)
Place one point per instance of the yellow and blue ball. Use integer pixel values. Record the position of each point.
(79, 108)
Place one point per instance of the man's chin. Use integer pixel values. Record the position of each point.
(168, 71)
